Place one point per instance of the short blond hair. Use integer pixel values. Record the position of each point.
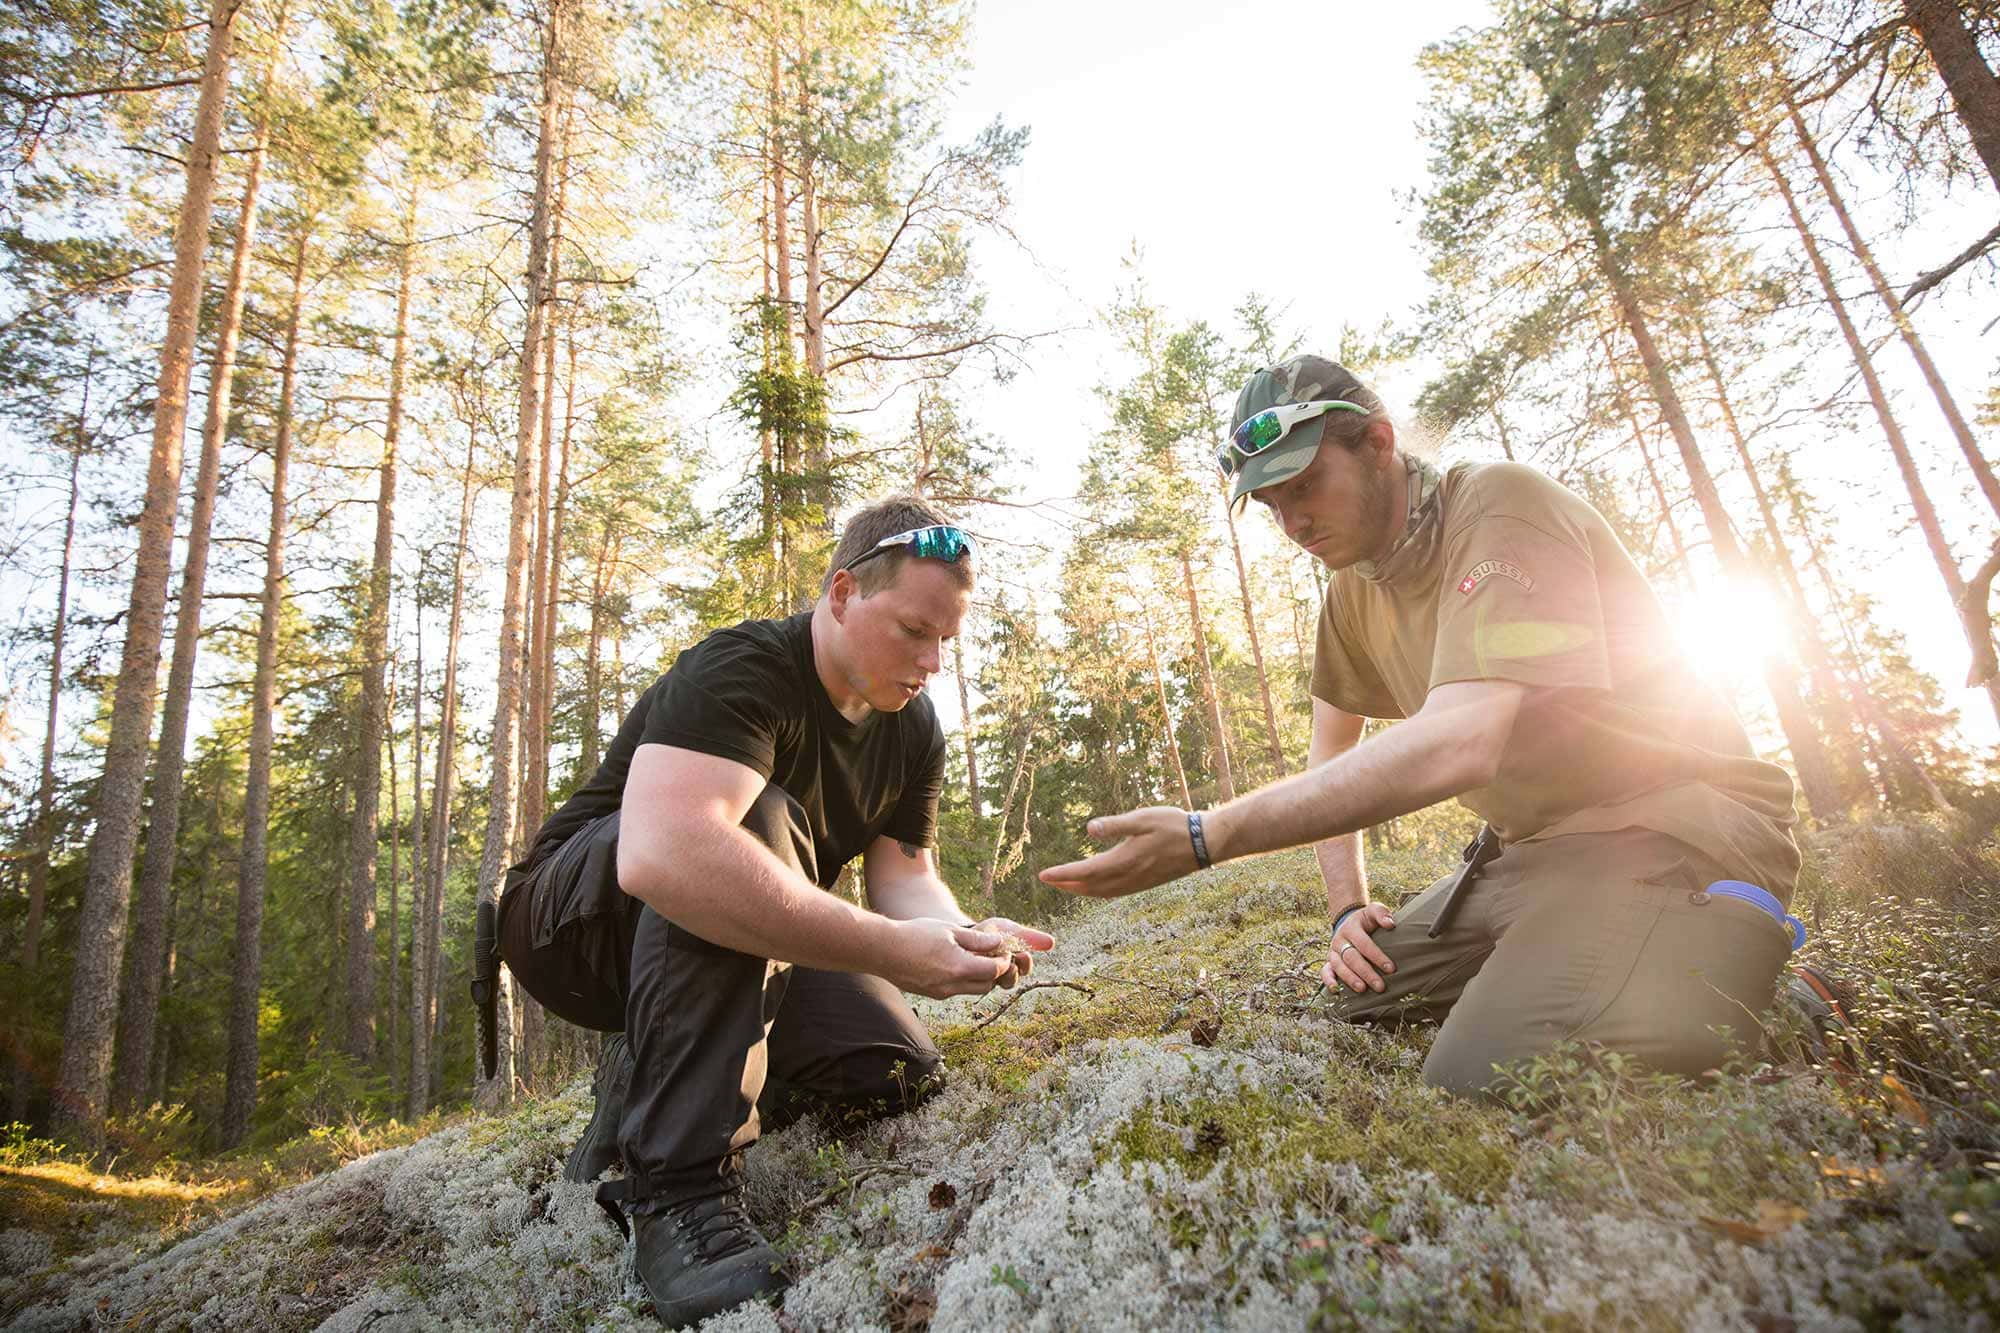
(885, 518)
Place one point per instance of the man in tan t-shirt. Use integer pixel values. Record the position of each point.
(1496, 611)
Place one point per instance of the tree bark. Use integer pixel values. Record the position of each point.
(45, 790)
(1166, 712)
(89, 1027)
(1834, 700)
(965, 728)
(1974, 89)
(593, 684)
(138, 1014)
(535, 736)
(781, 240)
(364, 831)
(444, 788)
(1256, 641)
(1808, 753)
(1891, 739)
(819, 455)
(415, 1093)
(500, 820)
(1646, 455)
(395, 877)
(1500, 425)
(1989, 485)
(240, 1086)
(552, 592)
(991, 866)
(1892, 430)
(540, 663)
(1225, 775)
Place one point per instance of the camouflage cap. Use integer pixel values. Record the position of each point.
(1303, 379)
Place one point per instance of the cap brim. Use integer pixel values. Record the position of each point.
(1283, 463)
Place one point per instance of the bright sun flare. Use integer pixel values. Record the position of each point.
(1728, 627)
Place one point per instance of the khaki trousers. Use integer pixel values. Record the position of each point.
(1597, 937)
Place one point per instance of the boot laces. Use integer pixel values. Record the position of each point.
(716, 1227)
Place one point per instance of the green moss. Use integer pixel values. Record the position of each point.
(1006, 1054)
(1411, 1129)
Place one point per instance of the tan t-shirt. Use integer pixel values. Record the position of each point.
(1526, 582)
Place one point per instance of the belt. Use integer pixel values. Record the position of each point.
(1761, 898)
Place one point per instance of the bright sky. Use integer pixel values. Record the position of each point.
(1268, 147)
(1259, 148)
(1265, 147)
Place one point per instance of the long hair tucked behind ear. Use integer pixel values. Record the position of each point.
(885, 518)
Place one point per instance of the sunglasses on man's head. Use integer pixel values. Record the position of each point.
(940, 541)
(1273, 424)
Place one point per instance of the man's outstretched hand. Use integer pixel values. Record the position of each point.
(1154, 847)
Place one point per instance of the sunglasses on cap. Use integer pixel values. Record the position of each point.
(940, 541)
(1266, 428)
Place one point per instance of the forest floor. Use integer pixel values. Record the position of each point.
(1171, 1131)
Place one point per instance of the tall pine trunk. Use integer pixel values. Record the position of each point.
(996, 853)
(1838, 719)
(89, 1026)
(1905, 766)
(1256, 641)
(539, 664)
(239, 1097)
(415, 1094)
(45, 790)
(391, 1007)
(1172, 745)
(965, 727)
(364, 831)
(812, 329)
(444, 789)
(781, 244)
(1974, 90)
(501, 814)
(1961, 430)
(139, 1012)
(593, 656)
(1225, 774)
(1892, 430)
(1808, 753)
(1684, 568)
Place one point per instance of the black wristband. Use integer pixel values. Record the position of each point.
(1346, 913)
(1200, 843)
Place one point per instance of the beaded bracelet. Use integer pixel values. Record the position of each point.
(1200, 843)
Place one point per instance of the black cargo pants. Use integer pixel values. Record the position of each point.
(722, 1042)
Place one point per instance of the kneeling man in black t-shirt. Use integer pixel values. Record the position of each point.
(678, 898)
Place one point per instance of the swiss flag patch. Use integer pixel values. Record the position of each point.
(1485, 569)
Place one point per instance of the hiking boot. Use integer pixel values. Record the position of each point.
(702, 1256)
(597, 1150)
(1822, 1000)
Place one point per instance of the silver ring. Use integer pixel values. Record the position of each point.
(1342, 952)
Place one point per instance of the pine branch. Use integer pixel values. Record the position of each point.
(1938, 275)
(1975, 604)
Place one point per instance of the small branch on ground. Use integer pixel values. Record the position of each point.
(869, 1172)
(1019, 991)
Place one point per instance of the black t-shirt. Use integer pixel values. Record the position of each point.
(751, 693)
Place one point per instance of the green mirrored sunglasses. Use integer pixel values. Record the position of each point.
(1266, 428)
(940, 541)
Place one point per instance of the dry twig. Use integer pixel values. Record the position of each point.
(1019, 991)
